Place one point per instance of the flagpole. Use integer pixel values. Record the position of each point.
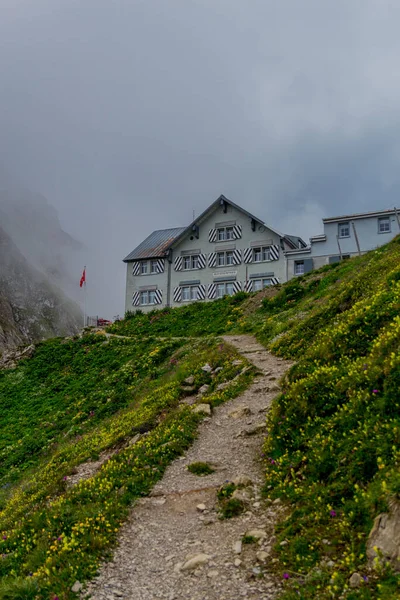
(84, 299)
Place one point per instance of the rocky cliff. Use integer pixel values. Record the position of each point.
(31, 308)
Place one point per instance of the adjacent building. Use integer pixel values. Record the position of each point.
(344, 237)
(223, 251)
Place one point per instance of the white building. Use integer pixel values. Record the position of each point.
(225, 250)
(344, 237)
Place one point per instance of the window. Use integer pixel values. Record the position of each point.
(224, 289)
(265, 253)
(261, 254)
(384, 225)
(225, 258)
(225, 233)
(147, 297)
(153, 266)
(299, 267)
(190, 292)
(186, 294)
(259, 284)
(143, 268)
(191, 262)
(344, 230)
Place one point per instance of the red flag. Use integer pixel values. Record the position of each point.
(83, 278)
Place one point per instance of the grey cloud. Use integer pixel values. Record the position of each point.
(127, 115)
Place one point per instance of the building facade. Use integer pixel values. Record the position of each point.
(224, 251)
(344, 237)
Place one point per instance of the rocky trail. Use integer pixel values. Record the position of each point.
(173, 545)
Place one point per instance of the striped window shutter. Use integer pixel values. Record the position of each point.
(160, 265)
(136, 299)
(178, 263)
(158, 297)
(201, 293)
(212, 236)
(237, 287)
(237, 232)
(177, 294)
(237, 257)
(248, 286)
(248, 255)
(212, 291)
(274, 252)
(274, 280)
(202, 261)
(212, 259)
(136, 268)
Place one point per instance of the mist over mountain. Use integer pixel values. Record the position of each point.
(39, 270)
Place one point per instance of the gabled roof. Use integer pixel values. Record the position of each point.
(218, 202)
(156, 244)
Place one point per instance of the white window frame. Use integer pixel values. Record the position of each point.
(143, 268)
(346, 227)
(225, 234)
(224, 289)
(191, 262)
(299, 271)
(153, 267)
(220, 293)
(190, 293)
(229, 288)
(265, 250)
(261, 252)
(147, 297)
(186, 293)
(229, 233)
(384, 221)
(225, 258)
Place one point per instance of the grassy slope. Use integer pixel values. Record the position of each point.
(334, 432)
(71, 401)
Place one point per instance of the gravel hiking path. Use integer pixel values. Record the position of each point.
(173, 545)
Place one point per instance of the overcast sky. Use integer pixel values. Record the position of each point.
(130, 114)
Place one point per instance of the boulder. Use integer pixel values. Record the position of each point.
(188, 389)
(202, 408)
(385, 536)
(257, 534)
(204, 388)
(355, 580)
(76, 587)
(240, 413)
(197, 561)
(242, 481)
(206, 368)
(189, 380)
